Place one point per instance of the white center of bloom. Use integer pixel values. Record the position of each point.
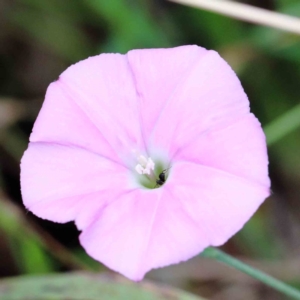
(145, 165)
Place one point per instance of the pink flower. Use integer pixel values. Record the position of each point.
(111, 124)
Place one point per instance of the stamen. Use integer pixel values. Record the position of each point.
(145, 166)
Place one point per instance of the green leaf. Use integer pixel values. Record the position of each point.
(86, 286)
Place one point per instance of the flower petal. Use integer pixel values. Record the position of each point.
(142, 230)
(197, 207)
(209, 95)
(221, 203)
(62, 183)
(238, 148)
(157, 73)
(62, 121)
(103, 88)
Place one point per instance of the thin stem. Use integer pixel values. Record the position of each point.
(259, 275)
(247, 13)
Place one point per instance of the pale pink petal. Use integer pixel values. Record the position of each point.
(157, 74)
(142, 230)
(62, 121)
(209, 95)
(94, 203)
(61, 183)
(212, 205)
(197, 207)
(104, 90)
(238, 148)
(221, 203)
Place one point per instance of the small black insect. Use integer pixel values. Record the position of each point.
(162, 178)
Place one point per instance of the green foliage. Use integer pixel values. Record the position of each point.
(209, 29)
(85, 287)
(283, 125)
(30, 257)
(129, 25)
(277, 43)
(58, 33)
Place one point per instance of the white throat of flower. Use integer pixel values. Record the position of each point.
(145, 165)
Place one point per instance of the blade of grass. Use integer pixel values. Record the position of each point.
(247, 13)
(283, 125)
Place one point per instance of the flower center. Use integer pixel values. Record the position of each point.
(145, 165)
(151, 175)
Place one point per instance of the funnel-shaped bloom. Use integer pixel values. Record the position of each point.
(154, 155)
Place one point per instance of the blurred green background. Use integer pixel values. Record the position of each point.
(40, 39)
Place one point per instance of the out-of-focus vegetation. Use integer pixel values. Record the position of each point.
(39, 39)
(87, 286)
